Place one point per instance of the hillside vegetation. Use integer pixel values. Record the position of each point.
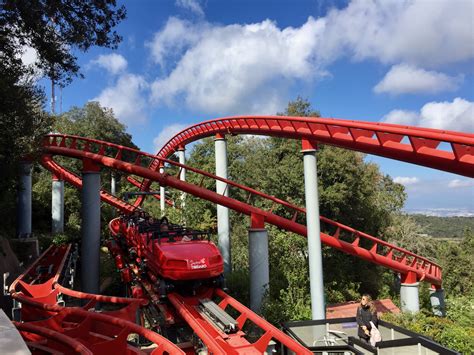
(444, 227)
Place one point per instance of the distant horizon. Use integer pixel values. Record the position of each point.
(441, 212)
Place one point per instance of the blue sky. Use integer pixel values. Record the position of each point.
(184, 61)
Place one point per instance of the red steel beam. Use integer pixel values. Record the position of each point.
(137, 183)
(424, 268)
(39, 299)
(76, 181)
(383, 139)
(74, 346)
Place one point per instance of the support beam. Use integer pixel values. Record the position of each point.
(113, 184)
(223, 226)
(113, 189)
(409, 299)
(90, 227)
(258, 261)
(314, 230)
(182, 175)
(437, 301)
(57, 205)
(182, 160)
(162, 195)
(24, 201)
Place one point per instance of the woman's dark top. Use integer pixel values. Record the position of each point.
(364, 317)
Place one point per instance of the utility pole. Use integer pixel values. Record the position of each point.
(53, 100)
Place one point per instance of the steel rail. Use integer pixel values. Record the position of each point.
(404, 262)
(383, 139)
(74, 346)
(42, 298)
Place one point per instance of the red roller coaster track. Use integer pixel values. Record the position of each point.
(343, 238)
(50, 328)
(443, 150)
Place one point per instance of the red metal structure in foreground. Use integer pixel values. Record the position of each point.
(180, 271)
(176, 292)
(50, 328)
(443, 150)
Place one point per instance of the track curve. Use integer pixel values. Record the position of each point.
(421, 146)
(345, 239)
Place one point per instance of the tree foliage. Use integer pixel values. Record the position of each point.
(456, 331)
(52, 29)
(92, 121)
(351, 190)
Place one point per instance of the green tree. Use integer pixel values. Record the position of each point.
(352, 191)
(92, 121)
(53, 29)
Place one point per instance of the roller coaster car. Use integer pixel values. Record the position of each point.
(172, 252)
(180, 254)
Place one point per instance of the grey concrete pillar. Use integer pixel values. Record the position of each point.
(90, 227)
(57, 205)
(182, 160)
(24, 201)
(182, 175)
(113, 184)
(314, 230)
(409, 297)
(258, 262)
(113, 190)
(437, 302)
(162, 196)
(223, 226)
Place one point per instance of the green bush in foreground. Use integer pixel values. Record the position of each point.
(456, 331)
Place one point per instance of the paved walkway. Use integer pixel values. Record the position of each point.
(11, 342)
(349, 309)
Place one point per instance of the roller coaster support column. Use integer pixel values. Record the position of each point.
(437, 301)
(258, 261)
(24, 201)
(182, 174)
(223, 229)
(113, 189)
(90, 227)
(113, 184)
(162, 195)
(314, 230)
(409, 293)
(57, 205)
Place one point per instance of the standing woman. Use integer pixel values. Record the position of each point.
(366, 313)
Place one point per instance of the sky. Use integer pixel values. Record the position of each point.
(185, 61)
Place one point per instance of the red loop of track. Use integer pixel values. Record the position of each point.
(421, 146)
(111, 155)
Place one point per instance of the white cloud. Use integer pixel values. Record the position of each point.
(250, 68)
(29, 58)
(455, 116)
(166, 134)
(408, 79)
(29, 55)
(392, 31)
(457, 183)
(113, 63)
(176, 36)
(235, 68)
(405, 180)
(127, 98)
(192, 5)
